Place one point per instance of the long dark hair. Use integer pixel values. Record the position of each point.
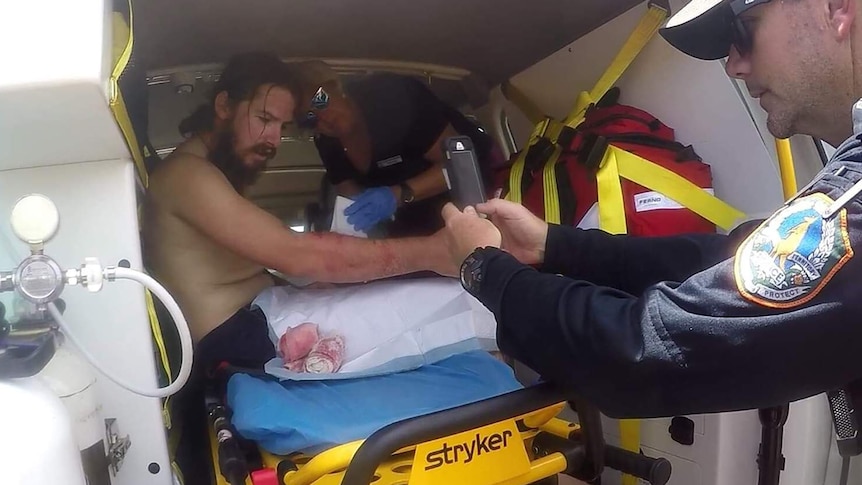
(241, 78)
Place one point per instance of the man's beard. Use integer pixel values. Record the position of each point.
(225, 158)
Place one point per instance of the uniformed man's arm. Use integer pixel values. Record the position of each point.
(695, 347)
(632, 263)
(204, 198)
(623, 262)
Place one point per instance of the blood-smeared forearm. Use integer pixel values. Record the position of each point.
(334, 258)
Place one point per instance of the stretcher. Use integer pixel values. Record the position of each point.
(513, 438)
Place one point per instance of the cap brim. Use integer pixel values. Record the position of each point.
(701, 29)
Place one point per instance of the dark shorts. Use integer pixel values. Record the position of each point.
(243, 341)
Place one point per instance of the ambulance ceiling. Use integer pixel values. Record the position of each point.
(494, 39)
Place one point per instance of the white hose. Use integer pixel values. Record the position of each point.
(179, 320)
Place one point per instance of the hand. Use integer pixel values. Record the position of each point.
(524, 234)
(466, 231)
(371, 207)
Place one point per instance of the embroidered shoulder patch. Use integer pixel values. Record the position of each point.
(791, 256)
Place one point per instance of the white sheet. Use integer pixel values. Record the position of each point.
(388, 326)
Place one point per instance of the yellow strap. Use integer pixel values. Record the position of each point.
(156, 329)
(655, 177)
(549, 179)
(551, 129)
(125, 124)
(157, 334)
(123, 30)
(612, 215)
(639, 38)
(516, 173)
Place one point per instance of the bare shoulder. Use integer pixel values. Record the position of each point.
(180, 164)
(184, 172)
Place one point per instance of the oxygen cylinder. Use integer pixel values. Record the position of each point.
(36, 442)
(70, 377)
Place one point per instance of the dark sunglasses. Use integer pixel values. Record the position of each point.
(741, 35)
(319, 101)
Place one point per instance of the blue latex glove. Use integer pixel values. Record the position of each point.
(371, 207)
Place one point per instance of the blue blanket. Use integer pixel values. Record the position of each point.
(312, 416)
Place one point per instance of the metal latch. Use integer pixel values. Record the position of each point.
(117, 446)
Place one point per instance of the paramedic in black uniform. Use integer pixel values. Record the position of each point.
(650, 327)
(379, 137)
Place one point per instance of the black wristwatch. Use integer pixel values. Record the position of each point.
(407, 195)
(471, 271)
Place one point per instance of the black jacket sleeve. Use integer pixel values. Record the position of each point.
(702, 345)
(631, 263)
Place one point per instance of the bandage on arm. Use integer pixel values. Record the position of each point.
(326, 356)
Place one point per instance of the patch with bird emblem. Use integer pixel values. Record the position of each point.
(791, 256)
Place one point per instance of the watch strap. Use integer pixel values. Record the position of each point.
(471, 272)
(407, 194)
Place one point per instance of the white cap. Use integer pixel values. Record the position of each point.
(702, 29)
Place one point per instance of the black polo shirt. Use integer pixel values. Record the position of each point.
(404, 120)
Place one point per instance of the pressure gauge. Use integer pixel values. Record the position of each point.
(35, 219)
(39, 279)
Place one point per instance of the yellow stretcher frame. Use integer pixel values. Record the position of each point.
(328, 468)
(546, 446)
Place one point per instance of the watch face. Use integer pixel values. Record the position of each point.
(465, 274)
(471, 273)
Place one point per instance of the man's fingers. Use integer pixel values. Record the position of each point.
(449, 211)
(470, 210)
(491, 207)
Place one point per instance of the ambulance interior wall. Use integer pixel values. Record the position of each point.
(727, 128)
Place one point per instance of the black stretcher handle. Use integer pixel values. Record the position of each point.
(383, 443)
(580, 465)
(654, 470)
